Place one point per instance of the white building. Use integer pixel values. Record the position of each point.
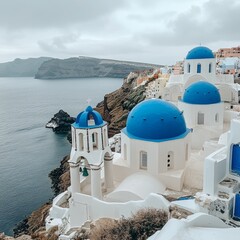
(199, 64)
(156, 87)
(221, 185)
(157, 142)
(228, 65)
(203, 111)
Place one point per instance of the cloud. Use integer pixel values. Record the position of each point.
(215, 20)
(148, 31)
(58, 43)
(53, 13)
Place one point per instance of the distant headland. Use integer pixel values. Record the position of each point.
(86, 67)
(75, 67)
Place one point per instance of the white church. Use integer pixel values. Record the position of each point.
(187, 140)
(200, 65)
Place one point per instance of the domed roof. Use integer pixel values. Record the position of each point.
(201, 93)
(155, 120)
(83, 118)
(200, 52)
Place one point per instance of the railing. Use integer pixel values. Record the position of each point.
(56, 210)
(58, 215)
(63, 227)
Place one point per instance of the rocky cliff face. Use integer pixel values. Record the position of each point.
(60, 177)
(61, 122)
(116, 105)
(85, 67)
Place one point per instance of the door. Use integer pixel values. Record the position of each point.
(237, 207)
(236, 159)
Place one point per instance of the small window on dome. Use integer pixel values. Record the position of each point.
(188, 68)
(216, 117)
(199, 68)
(210, 68)
(143, 160)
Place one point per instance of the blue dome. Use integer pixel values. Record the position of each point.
(155, 120)
(89, 113)
(200, 53)
(201, 93)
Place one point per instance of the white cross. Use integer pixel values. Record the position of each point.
(89, 100)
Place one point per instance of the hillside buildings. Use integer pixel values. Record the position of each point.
(228, 52)
(180, 142)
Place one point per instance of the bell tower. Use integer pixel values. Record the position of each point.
(90, 153)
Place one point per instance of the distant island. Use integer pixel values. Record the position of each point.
(21, 67)
(87, 67)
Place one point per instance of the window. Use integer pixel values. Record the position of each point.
(235, 163)
(199, 68)
(170, 160)
(74, 139)
(143, 160)
(81, 144)
(188, 68)
(216, 117)
(210, 68)
(105, 138)
(200, 119)
(95, 140)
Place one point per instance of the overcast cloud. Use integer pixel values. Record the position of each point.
(154, 31)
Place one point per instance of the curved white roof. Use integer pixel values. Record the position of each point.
(198, 226)
(136, 187)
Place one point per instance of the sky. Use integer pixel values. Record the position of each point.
(151, 31)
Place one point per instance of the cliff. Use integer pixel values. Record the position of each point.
(86, 67)
(21, 67)
(61, 122)
(116, 105)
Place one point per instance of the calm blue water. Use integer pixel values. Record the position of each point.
(29, 151)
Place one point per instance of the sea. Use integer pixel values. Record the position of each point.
(29, 151)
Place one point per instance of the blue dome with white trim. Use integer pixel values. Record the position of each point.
(83, 118)
(200, 52)
(201, 93)
(155, 120)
